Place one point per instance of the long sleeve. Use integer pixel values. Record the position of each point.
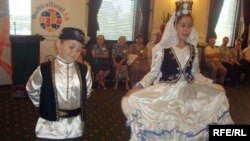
(33, 86)
(224, 53)
(246, 53)
(154, 72)
(196, 69)
(88, 79)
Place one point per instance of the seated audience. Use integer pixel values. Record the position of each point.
(100, 60)
(137, 58)
(119, 57)
(213, 61)
(228, 62)
(246, 54)
(237, 57)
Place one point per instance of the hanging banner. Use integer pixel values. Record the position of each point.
(50, 16)
(5, 47)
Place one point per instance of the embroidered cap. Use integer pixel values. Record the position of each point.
(71, 33)
(183, 7)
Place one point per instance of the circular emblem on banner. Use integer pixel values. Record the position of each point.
(50, 20)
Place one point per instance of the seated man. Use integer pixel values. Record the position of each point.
(239, 63)
(246, 54)
(228, 62)
(213, 60)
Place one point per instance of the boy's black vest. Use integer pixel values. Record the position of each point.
(171, 68)
(48, 99)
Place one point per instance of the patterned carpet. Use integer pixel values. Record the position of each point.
(105, 121)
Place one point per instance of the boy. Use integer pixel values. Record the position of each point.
(60, 89)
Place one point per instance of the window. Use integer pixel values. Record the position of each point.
(20, 17)
(116, 18)
(227, 22)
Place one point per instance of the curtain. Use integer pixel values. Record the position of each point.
(144, 6)
(246, 17)
(93, 27)
(215, 10)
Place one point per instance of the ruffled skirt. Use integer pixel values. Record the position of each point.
(176, 112)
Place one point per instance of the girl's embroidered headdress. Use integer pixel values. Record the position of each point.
(183, 7)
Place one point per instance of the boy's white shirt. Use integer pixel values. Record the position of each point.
(65, 127)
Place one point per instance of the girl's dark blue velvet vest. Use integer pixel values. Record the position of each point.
(48, 108)
(171, 68)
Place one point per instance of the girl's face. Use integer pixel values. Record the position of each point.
(184, 27)
(69, 50)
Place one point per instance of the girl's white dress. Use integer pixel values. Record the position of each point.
(175, 111)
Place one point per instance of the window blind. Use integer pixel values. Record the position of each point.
(20, 17)
(117, 18)
(227, 21)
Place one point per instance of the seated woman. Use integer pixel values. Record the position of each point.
(119, 57)
(181, 105)
(100, 61)
(139, 65)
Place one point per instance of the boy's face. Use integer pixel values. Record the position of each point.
(69, 50)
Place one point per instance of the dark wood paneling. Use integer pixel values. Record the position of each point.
(25, 57)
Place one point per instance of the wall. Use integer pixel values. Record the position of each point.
(159, 7)
(200, 14)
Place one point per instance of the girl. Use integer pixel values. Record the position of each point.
(181, 103)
